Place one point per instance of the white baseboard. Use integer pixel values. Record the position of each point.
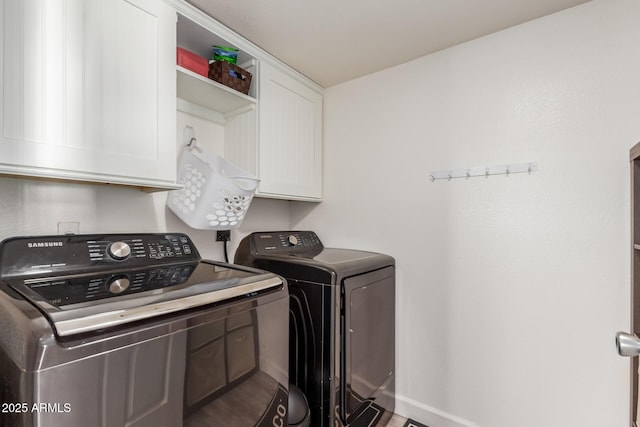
(425, 414)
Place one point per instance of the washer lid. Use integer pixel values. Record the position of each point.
(79, 304)
(85, 283)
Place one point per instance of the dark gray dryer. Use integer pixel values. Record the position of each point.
(342, 324)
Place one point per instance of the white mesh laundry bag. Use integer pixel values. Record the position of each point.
(216, 193)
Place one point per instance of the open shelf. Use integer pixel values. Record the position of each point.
(208, 93)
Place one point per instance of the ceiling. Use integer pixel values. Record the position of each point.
(333, 41)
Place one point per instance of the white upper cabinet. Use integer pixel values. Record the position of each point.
(290, 136)
(276, 131)
(88, 91)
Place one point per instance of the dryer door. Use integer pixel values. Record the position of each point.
(368, 336)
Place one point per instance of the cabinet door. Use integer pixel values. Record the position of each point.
(88, 90)
(290, 143)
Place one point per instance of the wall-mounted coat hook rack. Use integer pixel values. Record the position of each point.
(486, 171)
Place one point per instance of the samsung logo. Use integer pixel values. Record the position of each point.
(43, 244)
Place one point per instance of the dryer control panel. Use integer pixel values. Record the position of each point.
(285, 242)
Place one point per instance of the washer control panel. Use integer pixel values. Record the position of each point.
(53, 255)
(283, 242)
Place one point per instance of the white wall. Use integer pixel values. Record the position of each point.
(510, 289)
(31, 207)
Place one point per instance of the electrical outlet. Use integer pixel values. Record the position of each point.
(223, 235)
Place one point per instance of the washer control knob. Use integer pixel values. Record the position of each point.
(119, 250)
(119, 284)
(292, 240)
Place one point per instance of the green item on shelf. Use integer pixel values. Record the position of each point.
(223, 53)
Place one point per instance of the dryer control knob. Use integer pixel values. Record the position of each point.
(118, 285)
(119, 250)
(292, 240)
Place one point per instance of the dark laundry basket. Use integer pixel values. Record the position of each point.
(299, 413)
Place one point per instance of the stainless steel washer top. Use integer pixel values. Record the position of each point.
(86, 283)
